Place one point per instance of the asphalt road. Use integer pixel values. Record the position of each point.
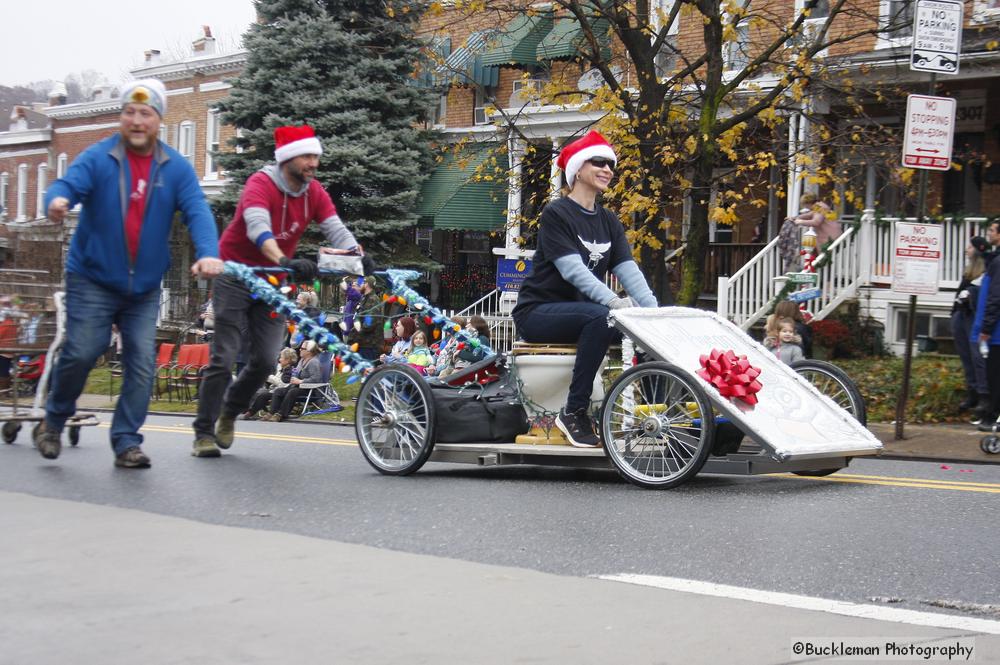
(920, 534)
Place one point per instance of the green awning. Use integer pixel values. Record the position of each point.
(567, 39)
(518, 41)
(450, 199)
(465, 66)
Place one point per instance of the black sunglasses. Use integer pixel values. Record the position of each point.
(601, 162)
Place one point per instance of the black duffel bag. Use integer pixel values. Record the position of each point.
(477, 413)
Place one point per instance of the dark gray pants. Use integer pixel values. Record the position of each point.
(237, 316)
(973, 362)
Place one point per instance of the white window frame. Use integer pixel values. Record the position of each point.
(213, 128)
(731, 49)
(185, 140)
(663, 7)
(163, 133)
(4, 184)
(812, 24)
(42, 183)
(22, 192)
(884, 40)
(239, 134)
(982, 13)
(62, 162)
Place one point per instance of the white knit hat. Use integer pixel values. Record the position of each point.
(146, 91)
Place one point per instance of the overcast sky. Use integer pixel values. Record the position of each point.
(48, 39)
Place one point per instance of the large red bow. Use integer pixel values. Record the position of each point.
(732, 375)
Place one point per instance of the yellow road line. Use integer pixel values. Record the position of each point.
(185, 429)
(917, 483)
(960, 483)
(858, 479)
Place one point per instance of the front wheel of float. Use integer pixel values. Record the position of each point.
(394, 421)
(657, 426)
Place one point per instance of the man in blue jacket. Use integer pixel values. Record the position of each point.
(986, 331)
(130, 185)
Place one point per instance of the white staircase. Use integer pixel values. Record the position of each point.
(860, 257)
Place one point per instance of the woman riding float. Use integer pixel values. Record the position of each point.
(564, 299)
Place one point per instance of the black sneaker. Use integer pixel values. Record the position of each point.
(49, 443)
(133, 458)
(578, 428)
(987, 424)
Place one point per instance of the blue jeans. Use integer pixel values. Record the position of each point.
(90, 311)
(582, 323)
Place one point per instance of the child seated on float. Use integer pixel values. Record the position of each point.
(785, 343)
(420, 356)
(404, 329)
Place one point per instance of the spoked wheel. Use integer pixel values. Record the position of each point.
(394, 421)
(657, 426)
(835, 384)
(10, 430)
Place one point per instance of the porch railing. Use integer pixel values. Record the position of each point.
(861, 256)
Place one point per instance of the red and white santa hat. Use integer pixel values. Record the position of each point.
(294, 140)
(573, 155)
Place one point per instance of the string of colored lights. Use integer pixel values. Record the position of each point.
(268, 291)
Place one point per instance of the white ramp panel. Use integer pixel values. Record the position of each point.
(792, 418)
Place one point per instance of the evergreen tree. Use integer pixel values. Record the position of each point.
(345, 67)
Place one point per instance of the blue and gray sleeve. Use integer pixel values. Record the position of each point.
(258, 222)
(573, 270)
(631, 278)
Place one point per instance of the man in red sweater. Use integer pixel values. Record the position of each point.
(277, 204)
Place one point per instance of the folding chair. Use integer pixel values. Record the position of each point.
(320, 396)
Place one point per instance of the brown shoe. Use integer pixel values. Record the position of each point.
(49, 443)
(204, 446)
(133, 458)
(225, 431)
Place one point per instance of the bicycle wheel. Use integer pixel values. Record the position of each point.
(835, 384)
(394, 420)
(657, 426)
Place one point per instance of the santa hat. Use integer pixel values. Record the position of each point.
(146, 91)
(295, 140)
(572, 156)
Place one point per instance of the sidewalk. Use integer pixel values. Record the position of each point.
(949, 442)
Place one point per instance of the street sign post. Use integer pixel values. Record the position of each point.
(937, 36)
(917, 259)
(927, 138)
(803, 278)
(805, 294)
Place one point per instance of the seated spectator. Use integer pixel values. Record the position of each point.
(786, 344)
(420, 356)
(786, 309)
(307, 371)
(404, 329)
(477, 328)
(443, 357)
(280, 379)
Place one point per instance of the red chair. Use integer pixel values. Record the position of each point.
(164, 358)
(163, 355)
(193, 373)
(186, 355)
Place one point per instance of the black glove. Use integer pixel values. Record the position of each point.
(367, 265)
(304, 269)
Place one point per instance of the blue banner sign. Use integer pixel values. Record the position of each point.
(511, 273)
(805, 294)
